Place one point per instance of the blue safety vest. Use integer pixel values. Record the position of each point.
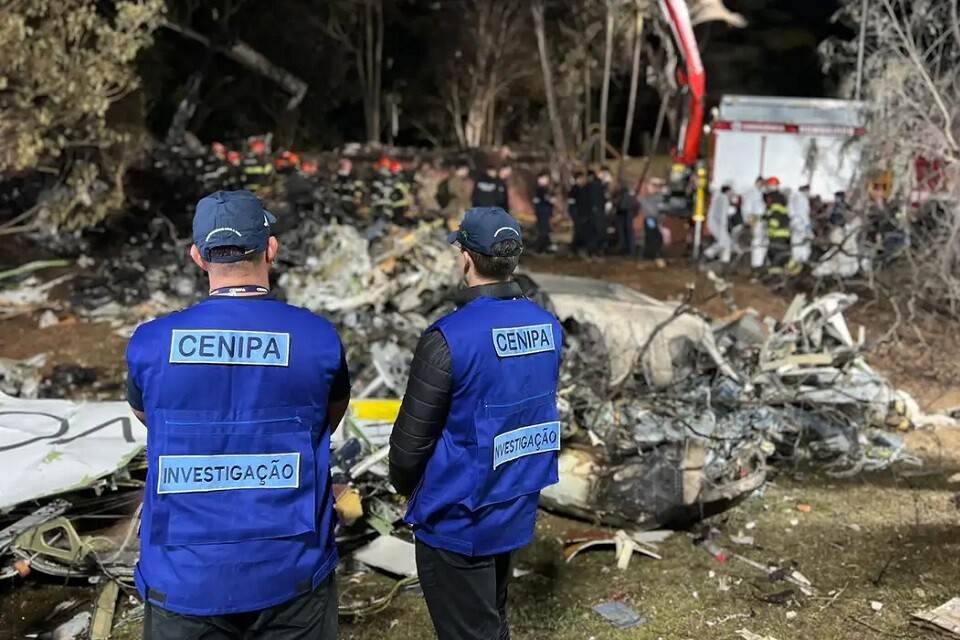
(500, 445)
(238, 510)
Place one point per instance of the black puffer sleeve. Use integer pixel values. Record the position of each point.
(423, 413)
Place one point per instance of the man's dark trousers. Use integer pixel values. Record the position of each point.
(466, 596)
(543, 228)
(628, 240)
(588, 233)
(311, 616)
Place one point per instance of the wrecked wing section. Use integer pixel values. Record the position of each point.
(633, 326)
(69, 500)
(50, 447)
(669, 418)
(667, 486)
(638, 452)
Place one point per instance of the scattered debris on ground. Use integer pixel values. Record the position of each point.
(624, 544)
(670, 416)
(620, 615)
(945, 618)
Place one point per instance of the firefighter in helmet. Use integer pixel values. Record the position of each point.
(297, 185)
(777, 219)
(381, 190)
(347, 189)
(399, 194)
(234, 177)
(257, 167)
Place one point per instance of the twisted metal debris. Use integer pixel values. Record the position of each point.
(668, 415)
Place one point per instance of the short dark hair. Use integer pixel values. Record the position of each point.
(501, 265)
(233, 252)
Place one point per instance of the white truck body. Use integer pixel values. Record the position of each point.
(798, 140)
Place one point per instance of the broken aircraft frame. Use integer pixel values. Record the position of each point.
(668, 415)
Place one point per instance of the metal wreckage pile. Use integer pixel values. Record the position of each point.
(668, 416)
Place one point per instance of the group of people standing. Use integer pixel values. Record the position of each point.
(388, 191)
(780, 225)
(388, 194)
(589, 203)
(593, 203)
(596, 202)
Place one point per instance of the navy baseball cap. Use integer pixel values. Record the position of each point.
(483, 227)
(231, 219)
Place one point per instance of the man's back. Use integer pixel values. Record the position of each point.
(598, 195)
(489, 192)
(582, 200)
(541, 200)
(236, 393)
(478, 433)
(505, 378)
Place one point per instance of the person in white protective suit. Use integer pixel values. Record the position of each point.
(801, 227)
(754, 206)
(718, 224)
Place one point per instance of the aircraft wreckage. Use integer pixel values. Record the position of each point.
(668, 416)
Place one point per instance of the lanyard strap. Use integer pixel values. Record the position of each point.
(234, 292)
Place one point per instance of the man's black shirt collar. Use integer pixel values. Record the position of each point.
(500, 290)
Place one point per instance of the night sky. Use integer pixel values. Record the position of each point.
(776, 54)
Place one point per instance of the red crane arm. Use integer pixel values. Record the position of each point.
(687, 151)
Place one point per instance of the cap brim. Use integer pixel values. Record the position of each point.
(453, 237)
(270, 217)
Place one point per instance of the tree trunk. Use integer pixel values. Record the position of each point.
(634, 83)
(587, 98)
(369, 99)
(605, 95)
(249, 57)
(186, 108)
(378, 71)
(365, 94)
(559, 143)
(456, 111)
(490, 127)
(477, 120)
(665, 101)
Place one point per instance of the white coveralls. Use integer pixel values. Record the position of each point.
(754, 206)
(800, 227)
(718, 223)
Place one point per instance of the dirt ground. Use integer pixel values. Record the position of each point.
(890, 537)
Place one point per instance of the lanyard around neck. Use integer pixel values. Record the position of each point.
(235, 292)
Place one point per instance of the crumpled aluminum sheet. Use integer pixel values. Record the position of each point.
(627, 319)
(21, 378)
(408, 272)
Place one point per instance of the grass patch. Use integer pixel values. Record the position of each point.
(904, 555)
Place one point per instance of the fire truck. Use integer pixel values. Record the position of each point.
(798, 140)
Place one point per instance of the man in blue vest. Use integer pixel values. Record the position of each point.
(478, 433)
(240, 394)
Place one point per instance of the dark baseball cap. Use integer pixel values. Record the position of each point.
(483, 227)
(231, 219)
